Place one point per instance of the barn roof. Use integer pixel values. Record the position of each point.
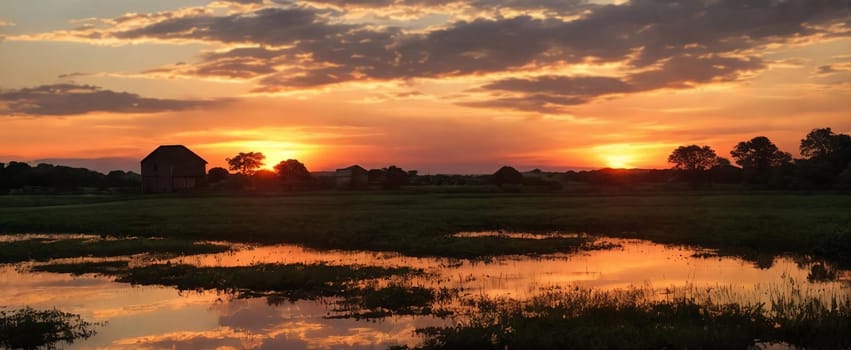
(353, 168)
(177, 153)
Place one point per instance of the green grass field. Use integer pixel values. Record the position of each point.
(419, 224)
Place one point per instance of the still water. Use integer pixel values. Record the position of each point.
(154, 317)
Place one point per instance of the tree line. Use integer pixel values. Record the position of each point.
(826, 162)
(21, 177)
(292, 174)
(759, 163)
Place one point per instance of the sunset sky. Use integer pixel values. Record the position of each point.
(433, 85)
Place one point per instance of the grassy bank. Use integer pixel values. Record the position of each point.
(633, 319)
(42, 250)
(418, 224)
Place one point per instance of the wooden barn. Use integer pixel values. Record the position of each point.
(353, 177)
(172, 168)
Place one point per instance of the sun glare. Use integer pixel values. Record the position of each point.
(630, 155)
(275, 151)
(618, 161)
(273, 157)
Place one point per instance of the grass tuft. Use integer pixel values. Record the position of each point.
(29, 328)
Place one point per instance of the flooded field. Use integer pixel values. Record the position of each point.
(157, 317)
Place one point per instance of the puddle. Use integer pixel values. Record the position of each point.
(153, 317)
(631, 262)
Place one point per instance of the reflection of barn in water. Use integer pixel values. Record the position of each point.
(172, 168)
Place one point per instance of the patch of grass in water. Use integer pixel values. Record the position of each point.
(379, 302)
(294, 281)
(29, 328)
(633, 319)
(279, 283)
(298, 281)
(107, 268)
(43, 250)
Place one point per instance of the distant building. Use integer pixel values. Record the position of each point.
(325, 179)
(353, 177)
(172, 168)
(508, 178)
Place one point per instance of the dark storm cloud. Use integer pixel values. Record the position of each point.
(556, 6)
(642, 33)
(562, 85)
(673, 44)
(550, 94)
(541, 103)
(233, 69)
(70, 99)
(686, 71)
(553, 6)
(239, 63)
(274, 26)
(237, 68)
(662, 29)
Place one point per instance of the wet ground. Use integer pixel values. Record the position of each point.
(162, 317)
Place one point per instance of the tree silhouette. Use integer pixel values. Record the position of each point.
(693, 158)
(758, 157)
(823, 143)
(246, 163)
(826, 146)
(292, 171)
(827, 155)
(759, 153)
(217, 174)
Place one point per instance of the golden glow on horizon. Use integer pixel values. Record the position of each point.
(618, 161)
(632, 155)
(275, 156)
(618, 156)
(275, 151)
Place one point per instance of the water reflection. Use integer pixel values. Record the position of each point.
(632, 262)
(151, 317)
(251, 323)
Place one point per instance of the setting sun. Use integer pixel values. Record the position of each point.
(275, 151)
(618, 161)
